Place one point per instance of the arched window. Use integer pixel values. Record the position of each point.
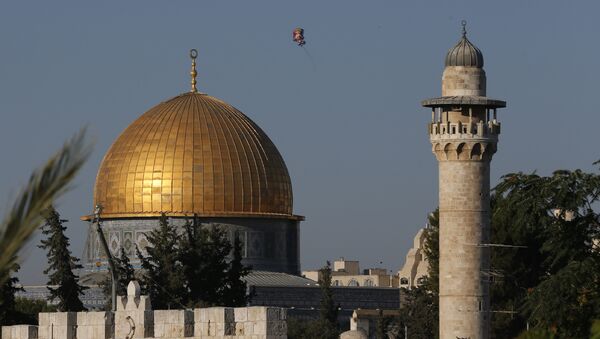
(353, 283)
(368, 282)
(403, 281)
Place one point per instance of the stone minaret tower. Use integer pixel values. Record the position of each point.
(464, 134)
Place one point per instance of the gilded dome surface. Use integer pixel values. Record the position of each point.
(193, 154)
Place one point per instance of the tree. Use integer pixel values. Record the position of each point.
(328, 312)
(204, 252)
(61, 265)
(217, 248)
(45, 184)
(549, 275)
(420, 311)
(193, 247)
(431, 249)
(553, 283)
(125, 274)
(7, 298)
(211, 278)
(381, 326)
(27, 310)
(162, 277)
(325, 327)
(595, 330)
(235, 294)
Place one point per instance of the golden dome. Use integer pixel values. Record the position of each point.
(193, 154)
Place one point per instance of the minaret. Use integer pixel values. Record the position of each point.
(464, 134)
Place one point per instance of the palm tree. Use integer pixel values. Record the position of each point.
(45, 185)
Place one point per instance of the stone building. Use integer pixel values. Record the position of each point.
(464, 133)
(347, 273)
(416, 265)
(196, 155)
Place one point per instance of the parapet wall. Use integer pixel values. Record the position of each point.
(134, 318)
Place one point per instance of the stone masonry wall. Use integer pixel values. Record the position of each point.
(135, 319)
(460, 81)
(255, 322)
(464, 226)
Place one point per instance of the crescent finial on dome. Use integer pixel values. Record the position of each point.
(193, 73)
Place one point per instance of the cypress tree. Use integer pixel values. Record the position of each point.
(61, 265)
(235, 294)
(125, 273)
(210, 278)
(218, 249)
(162, 276)
(7, 298)
(193, 248)
(328, 312)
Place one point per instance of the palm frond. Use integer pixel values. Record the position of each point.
(44, 186)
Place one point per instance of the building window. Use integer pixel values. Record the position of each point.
(368, 282)
(353, 283)
(336, 283)
(403, 281)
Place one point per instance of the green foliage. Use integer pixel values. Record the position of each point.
(431, 249)
(61, 265)
(328, 311)
(27, 310)
(537, 334)
(194, 246)
(125, 274)
(13, 310)
(192, 269)
(595, 331)
(45, 184)
(217, 248)
(298, 329)
(552, 279)
(211, 279)
(420, 311)
(235, 293)
(162, 276)
(553, 283)
(381, 326)
(7, 298)
(311, 329)
(325, 327)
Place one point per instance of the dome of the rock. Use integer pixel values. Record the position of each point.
(193, 155)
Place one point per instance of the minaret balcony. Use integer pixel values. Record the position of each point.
(469, 131)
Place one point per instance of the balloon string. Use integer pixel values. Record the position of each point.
(312, 61)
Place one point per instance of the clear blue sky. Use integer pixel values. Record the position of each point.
(349, 126)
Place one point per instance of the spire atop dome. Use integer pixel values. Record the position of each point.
(464, 53)
(193, 73)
